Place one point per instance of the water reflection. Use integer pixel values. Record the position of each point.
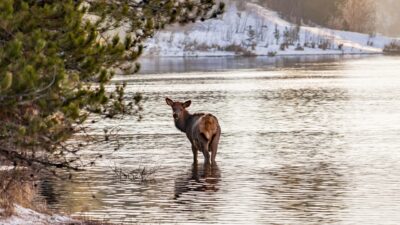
(307, 95)
(307, 193)
(201, 177)
(75, 196)
(189, 64)
(51, 196)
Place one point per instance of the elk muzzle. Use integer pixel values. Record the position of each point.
(176, 116)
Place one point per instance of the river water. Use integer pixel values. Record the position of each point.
(305, 140)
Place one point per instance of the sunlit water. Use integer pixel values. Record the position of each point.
(304, 141)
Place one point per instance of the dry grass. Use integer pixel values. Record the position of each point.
(18, 187)
(272, 53)
(392, 48)
(238, 50)
(141, 174)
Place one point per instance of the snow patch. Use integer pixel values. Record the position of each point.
(6, 168)
(24, 216)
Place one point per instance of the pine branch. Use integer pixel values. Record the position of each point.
(31, 93)
(13, 155)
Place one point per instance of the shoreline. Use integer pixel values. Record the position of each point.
(262, 55)
(27, 216)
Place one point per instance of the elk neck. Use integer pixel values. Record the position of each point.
(183, 122)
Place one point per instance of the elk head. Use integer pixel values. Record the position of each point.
(178, 108)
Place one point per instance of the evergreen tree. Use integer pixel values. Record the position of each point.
(310, 11)
(358, 15)
(277, 34)
(56, 58)
(251, 40)
(286, 36)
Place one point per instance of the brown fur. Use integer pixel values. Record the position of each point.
(202, 130)
(208, 126)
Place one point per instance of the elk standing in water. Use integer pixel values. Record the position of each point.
(202, 130)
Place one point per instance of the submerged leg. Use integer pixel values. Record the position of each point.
(204, 149)
(195, 173)
(214, 147)
(194, 150)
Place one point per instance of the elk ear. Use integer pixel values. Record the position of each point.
(169, 101)
(187, 104)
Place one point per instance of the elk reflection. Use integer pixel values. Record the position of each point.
(200, 178)
(70, 195)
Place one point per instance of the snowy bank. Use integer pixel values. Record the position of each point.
(256, 30)
(24, 216)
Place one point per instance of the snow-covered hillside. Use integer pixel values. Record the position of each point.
(258, 31)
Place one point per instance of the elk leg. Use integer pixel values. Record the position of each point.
(194, 150)
(195, 173)
(214, 147)
(204, 146)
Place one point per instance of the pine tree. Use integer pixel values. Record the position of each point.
(56, 56)
(277, 34)
(251, 40)
(286, 36)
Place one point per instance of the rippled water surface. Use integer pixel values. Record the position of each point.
(304, 141)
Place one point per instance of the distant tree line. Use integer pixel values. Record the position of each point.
(351, 15)
(388, 17)
(316, 11)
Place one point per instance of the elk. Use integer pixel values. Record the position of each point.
(202, 130)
